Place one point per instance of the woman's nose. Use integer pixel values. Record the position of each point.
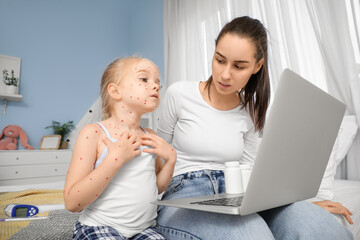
(226, 73)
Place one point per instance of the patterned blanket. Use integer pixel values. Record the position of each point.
(59, 225)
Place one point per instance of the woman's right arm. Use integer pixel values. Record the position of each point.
(84, 183)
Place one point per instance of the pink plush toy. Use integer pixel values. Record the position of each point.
(11, 133)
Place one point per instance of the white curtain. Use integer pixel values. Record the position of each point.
(314, 38)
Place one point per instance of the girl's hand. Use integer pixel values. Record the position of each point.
(160, 147)
(124, 149)
(335, 207)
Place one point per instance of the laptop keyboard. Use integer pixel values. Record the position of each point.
(233, 202)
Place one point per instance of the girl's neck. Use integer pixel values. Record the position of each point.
(124, 118)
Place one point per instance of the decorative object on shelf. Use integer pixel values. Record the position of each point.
(63, 130)
(11, 83)
(11, 133)
(10, 69)
(50, 142)
(9, 86)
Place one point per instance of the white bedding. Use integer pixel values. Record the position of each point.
(348, 193)
(47, 185)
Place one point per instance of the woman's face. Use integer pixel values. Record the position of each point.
(233, 63)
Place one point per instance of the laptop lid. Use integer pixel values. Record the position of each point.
(299, 135)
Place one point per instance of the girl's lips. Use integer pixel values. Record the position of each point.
(155, 96)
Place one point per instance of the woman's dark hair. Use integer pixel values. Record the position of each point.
(255, 95)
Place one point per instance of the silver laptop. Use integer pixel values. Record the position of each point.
(299, 134)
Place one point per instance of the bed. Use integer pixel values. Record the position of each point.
(59, 224)
(38, 177)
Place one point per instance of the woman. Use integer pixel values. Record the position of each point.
(212, 122)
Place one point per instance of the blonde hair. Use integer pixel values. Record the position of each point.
(114, 73)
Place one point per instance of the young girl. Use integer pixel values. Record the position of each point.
(116, 169)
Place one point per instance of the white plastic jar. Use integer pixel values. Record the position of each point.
(233, 178)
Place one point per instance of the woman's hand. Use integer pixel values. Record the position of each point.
(335, 207)
(160, 147)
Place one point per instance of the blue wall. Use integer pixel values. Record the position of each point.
(64, 47)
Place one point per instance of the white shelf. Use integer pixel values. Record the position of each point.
(11, 97)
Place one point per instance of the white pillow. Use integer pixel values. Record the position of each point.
(343, 142)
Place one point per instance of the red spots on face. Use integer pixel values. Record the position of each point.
(97, 195)
(130, 112)
(81, 158)
(123, 107)
(78, 190)
(115, 133)
(96, 131)
(116, 159)
(87, 137)
(107, 178)
(145, 88)
(67, 172)
(138, 98)
(130, 96)
(122, 120)
(91, 179)
(79, 204)
(139, 84)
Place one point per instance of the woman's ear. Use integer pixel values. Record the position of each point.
(258, 65)
(114, 91)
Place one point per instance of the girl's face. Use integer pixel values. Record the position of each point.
(140, 88)
(233, 63)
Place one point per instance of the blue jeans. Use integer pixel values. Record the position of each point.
(300, 220)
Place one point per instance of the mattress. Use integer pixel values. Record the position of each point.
(347, 193)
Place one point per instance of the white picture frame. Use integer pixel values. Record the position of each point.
(50, 142)
(10, 64)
